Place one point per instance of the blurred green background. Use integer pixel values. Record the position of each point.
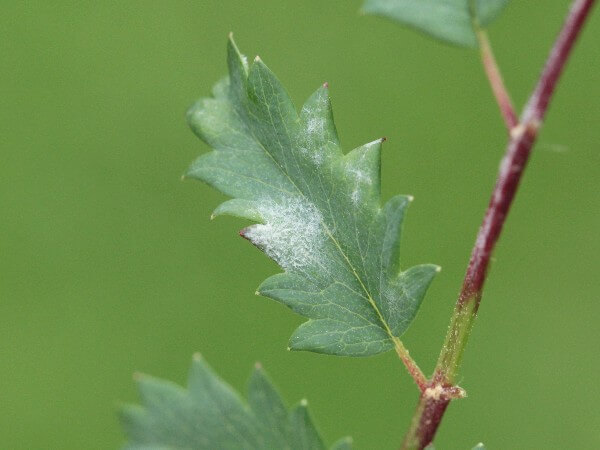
(109, 263)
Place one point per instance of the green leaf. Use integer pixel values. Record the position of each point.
(448, 20)
(210, 415)
(318, 211)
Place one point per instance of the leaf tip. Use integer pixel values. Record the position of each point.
(382, 139)
(326, 85)
(256, 293)
(304, 403)
(197, 356)
(438, 269)
(257, 59)
(230, 36)
(410, 198)
(258, 365)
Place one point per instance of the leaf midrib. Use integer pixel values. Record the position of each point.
(323, 224)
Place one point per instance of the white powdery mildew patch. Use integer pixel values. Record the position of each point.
(292, 234)
(315, 125)
(360, 178)
(316, 156)
(315, 129)
(310, 139)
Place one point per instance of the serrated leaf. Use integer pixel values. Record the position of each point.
(210, 415)
(318, 210)
(448, 20)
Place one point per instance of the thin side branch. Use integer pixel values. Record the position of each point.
(431, 408)
(496, 82)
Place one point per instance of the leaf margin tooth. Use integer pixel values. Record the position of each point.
(363, 163)
(238, 207)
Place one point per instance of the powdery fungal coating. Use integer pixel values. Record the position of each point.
(317, 156)
(292, 234)
(360, 176)
(315, 125)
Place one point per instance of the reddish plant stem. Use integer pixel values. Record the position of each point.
(519, 148)
(434, 400)
(495, 78)
(413, 369)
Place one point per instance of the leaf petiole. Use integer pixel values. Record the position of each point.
(413, 369)
(496, 81)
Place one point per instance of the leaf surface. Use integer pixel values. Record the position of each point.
(210, 415)
(448, 20)
(318, 211)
